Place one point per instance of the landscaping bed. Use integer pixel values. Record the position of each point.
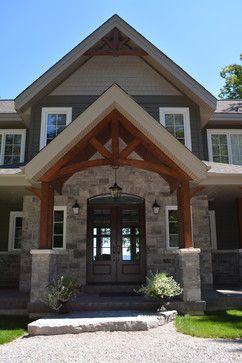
(218, 324)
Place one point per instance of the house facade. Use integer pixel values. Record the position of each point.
(116, 111)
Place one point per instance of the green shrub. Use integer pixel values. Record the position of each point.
(59, 292)
(160, 286)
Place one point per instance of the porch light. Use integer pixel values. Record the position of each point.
(115, 189)
(156, 207)
(76, 208)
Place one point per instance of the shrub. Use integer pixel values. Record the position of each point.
(160, 286)
(59, 292)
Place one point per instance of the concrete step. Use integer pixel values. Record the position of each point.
(81, 322)
(109, 288)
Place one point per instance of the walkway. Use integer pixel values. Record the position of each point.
(162, 344)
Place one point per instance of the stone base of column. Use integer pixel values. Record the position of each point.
(44, 271)
(189, 269)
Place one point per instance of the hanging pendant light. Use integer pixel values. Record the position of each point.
(115, 189)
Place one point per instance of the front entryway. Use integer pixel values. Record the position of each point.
(116, 239)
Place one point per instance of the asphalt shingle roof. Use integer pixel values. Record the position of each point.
(7, 106)
(228, 106)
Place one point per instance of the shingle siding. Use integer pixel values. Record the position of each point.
(132, 74)
(150, 103)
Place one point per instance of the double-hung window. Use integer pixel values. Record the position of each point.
(172, 229)
(12, 146)
(15, 231)
(59, 228)
(225, 146)
(53, 121)
(177, 121)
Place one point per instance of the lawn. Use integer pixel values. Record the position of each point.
(12, 327)
(219, 324)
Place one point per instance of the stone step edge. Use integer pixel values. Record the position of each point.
(51, 325)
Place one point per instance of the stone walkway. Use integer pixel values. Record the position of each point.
(162, 344)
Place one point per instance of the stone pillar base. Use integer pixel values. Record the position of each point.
(189, 267)
(44, 271)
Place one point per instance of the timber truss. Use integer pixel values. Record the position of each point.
(138, 152)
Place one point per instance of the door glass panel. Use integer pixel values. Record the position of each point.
(101, 235)
(130, 235)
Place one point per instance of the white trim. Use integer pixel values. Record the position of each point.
(228, 133)
(213, 231)
(44, 117)
(64, 209)
(5, 132)
(43, 252)
(11, 233)
(186, 114)
(167, 209)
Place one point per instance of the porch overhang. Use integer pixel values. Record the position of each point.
(115, 99)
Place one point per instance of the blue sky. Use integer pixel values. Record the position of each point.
(201, 36)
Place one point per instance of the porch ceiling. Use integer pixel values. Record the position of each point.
(135, 121)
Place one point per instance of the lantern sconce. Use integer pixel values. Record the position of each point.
(76, 208)
(156, 207)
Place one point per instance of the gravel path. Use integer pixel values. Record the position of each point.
(162, 344)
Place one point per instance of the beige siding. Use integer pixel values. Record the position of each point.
(130, 73)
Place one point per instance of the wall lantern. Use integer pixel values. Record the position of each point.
(76, 208)
(115, 189)
(155, 207)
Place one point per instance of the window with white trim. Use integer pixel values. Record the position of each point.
(53, 121)
(172, 229)
(225, 146)
(15, 231)
(12, 146)
(59, 228)
(177, 121)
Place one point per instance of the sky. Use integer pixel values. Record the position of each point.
(200, 36)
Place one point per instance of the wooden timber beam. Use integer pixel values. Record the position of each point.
(115, 140)
(46, 216)
(184, 215)
(116, 53)
(73, 168)
(35, 192)
(129, 148)
(196, 191)
(100, 148)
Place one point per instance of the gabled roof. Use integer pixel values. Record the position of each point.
(115, 98)
(158, 60)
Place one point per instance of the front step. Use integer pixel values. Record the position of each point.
(109, 288)
(91, 302)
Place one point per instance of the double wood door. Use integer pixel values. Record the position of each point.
(116, 243)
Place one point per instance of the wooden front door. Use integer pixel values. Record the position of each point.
(116, 242)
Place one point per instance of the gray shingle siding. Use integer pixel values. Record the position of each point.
(150, 103)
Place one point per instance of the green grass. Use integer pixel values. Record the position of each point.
(219, 324)
(12, 327)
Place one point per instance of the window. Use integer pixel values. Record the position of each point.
(172, 227)
(59, 228)
(15, 231)
(12, 146)
(172, 232)
(53, 121)
(225, 146)
(212, 227)
(177, 121)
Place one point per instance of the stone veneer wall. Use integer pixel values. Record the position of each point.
(91, 182)
(227, 267)
(9, 269)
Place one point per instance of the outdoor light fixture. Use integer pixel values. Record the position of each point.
(115, 189)
(155, 207)
(76, 208)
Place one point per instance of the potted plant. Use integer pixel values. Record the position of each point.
(59, 292)
(161, 287)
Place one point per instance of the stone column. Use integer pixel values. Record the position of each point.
(189, 267)
(44, 271)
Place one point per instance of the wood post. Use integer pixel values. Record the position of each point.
(46, 216)
(239, 213)
(184, 215)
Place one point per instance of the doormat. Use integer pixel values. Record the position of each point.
(119, 294)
